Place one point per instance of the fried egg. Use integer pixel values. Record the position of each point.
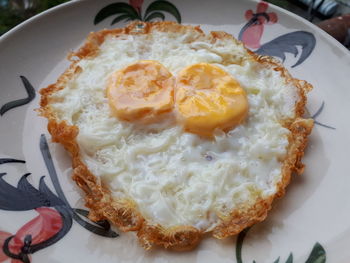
(191, 130)
(143, 90)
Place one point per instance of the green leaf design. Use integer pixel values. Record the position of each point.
(17, 103)
(165, 6)
(317, 255)
(155, 15)
(239, 244)
(120, 18)
(115, 9)
(290, 258)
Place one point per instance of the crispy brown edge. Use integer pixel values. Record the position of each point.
(124, 213)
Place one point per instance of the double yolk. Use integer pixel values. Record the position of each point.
(203, 96)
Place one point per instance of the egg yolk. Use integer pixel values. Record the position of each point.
(207, 98)
(141, 91)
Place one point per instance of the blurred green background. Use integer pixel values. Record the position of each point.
(13, 12)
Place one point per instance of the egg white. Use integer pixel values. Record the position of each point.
(178, 178)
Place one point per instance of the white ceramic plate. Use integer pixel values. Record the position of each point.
(310, 224)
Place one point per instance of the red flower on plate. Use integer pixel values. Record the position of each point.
(41, 228)
(13, 249)
(137, 4)
(255, 27)
(3, 237)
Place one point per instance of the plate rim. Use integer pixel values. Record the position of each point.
(71, 3)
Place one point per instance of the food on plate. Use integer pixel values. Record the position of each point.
(209, 98)
(174, 133)
(143, 90)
